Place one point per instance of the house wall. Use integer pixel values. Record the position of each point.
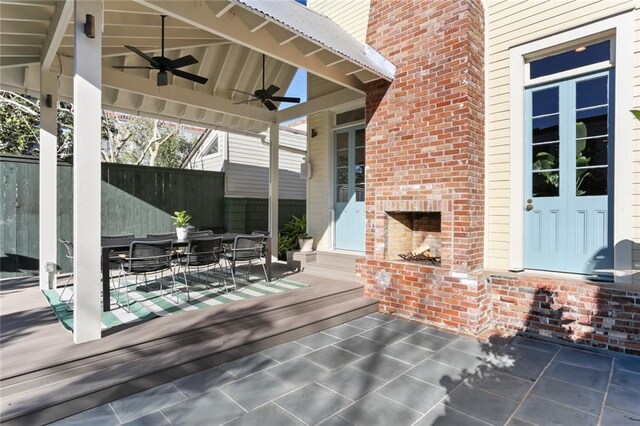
(351, 15)
(511, 24)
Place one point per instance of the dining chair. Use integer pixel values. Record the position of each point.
(162, 236)
(145, 257)
(246, 248)
(68, 245)
(201, 252)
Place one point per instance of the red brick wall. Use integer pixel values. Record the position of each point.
(568, 310)
(425, 152)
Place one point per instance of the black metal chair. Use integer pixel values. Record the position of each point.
(68, 245)
(115, 256)
(198, 234)
(264, 240)
(149, 256)
(246, 248)
(201, 252)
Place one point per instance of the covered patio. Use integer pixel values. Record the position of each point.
(75, 51)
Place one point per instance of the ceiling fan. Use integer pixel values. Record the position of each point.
(266, 95)
(164, 64)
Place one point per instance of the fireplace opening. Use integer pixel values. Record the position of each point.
(414, 237)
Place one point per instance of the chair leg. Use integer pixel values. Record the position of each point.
(264, 269)
(233, 276)
(65, 289)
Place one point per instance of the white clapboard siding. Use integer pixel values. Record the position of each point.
(512, 23)
(351, 15)
(319, 195)
(247, 166)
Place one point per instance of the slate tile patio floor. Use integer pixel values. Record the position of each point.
(377, 370)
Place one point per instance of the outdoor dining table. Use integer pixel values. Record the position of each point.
(124, 243)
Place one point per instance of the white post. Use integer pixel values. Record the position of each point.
(274, 185)
(48, 179)
(87, 100)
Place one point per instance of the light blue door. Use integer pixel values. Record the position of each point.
(569, 174)
(349, 190)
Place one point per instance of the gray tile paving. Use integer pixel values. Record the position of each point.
(569, 394)
(581, 376)
(406, 352)
(625, 378)
(382, 366)
(249, 364)
(613, 417)
(141, 403)
(375, 409)
(312, 403)
(438, 374)
(332, 357)
(199, 410)
(298, 371)
(442, 415)
(152, 419)
(413, 393)
(204, 381)
(317, 340)
(352, 383)
(269, 414)
(377, 370)
(360, 345)
(541, 411)
(286, 351)
(624, 399)
(584, 359)
(499, 383)
(480, 404)
(427, 341)
(255, 390)
(343, 331)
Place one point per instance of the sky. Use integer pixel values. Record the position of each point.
(298, 86)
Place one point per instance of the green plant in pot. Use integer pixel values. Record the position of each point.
(181, 220)
(293, 235)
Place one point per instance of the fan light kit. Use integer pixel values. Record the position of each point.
(165, 65)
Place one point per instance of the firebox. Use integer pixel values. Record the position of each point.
(414, 236)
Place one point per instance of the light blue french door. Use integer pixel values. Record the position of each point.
(569, 174)
(349, 189)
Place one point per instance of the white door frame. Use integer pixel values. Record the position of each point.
(622, 28)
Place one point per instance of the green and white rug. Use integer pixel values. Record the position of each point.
(147, 302)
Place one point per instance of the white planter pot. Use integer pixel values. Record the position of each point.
(182, 233)
(306, 245)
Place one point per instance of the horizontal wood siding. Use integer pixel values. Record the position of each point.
(352, 15)
(247, 168)
(512, 23)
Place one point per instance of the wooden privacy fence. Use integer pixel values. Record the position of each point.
(135, 199)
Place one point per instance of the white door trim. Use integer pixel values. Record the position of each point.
(622, 26)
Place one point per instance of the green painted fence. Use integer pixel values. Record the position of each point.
(135, 199)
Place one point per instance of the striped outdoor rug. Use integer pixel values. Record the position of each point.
(147, 302)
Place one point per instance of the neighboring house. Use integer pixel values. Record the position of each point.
(505, 145)
(244, 158)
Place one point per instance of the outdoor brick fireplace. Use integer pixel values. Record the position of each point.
(425, 163)
(414, 236)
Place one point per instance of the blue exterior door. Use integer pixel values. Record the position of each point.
(569, 174)
(349, 190)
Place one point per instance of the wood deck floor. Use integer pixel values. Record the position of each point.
(45, 376)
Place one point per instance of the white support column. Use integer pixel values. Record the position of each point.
(87, 99)
(274, 185)
(48, 179)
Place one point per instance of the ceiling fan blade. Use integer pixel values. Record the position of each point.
(285, 99)
(190, 76)
(271, 90)
(240, 91)
(270, 105)
(246, 102)
(183, 62)
(127, 67)
(143, 55)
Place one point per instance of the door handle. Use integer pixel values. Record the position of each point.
(529, 206)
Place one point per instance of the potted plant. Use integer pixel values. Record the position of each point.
(181, 220)
(292, 235)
